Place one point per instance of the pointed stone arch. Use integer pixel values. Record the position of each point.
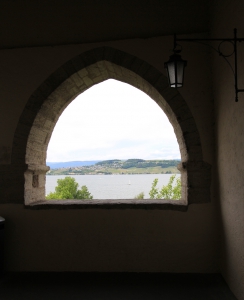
(80, 73)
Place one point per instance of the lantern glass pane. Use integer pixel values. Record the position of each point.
(171, 72)
(180, 73)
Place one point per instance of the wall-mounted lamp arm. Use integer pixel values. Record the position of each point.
(221, 40)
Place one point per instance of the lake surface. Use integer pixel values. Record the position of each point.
(113, 186)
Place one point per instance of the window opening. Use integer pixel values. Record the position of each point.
(115, 140)
(48, 102)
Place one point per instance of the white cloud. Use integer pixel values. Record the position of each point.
(112, 120)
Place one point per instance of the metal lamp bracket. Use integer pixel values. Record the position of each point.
(233, 41)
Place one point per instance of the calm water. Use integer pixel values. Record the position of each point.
(113, 186)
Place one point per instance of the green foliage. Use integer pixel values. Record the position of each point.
(140, 196)
(154, 190)
(169, 191)
(140, 163)
(67, 188)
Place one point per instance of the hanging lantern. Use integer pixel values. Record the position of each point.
(175, 68)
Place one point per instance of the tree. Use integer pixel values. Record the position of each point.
(169, 191)
(67, 188)
(140, 196)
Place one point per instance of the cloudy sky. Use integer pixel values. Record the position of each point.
(112, 120)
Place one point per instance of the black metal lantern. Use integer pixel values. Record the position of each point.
(175, 65)
(175, 68)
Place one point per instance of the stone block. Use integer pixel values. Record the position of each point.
(78, 63)
(77, 80)
(128, 61)
(48, 86)
(93, 71)
(69, 68)
(168, 93)
(101, 65)
(161, 83)
(89, 58)
(28, 180)
(34, 157)
(118, 71)
(82, 73)
(109, 67)
(98, 79)
(109, 53)
(143, 69)
(34, 103)
(152, 76)
(188, 125)
(38, 134)
(118, 58)
(28, 197)
(135, 66)
(88, 82)
(98, 53)
(57, 78)
(42, 180)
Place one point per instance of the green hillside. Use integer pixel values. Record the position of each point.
(116, 166)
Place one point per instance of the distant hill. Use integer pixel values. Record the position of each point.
(70, 164)
(116, 166)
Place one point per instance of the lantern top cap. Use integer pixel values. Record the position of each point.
(175, 58)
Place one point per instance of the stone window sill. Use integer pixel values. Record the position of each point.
(160, 204)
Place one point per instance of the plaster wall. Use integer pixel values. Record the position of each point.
(229, 147)
(105, 240)
(109, 240)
